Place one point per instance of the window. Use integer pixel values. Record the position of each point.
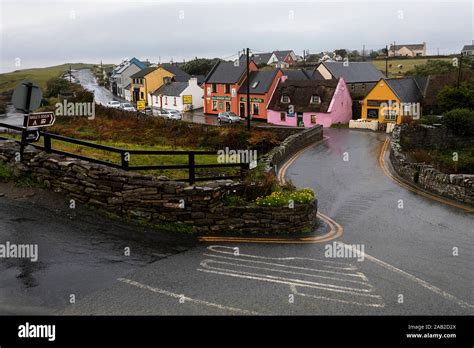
(142, 95)
(283, 116)
(390, 115)
(227, 106)
(227, 88)
(373, 113)
(255, 84)
(174, 101)
(214, 88)
(313, 119)
(285, 99)
(214, 105)
(255, 109)
(166, 100)
(315, 99)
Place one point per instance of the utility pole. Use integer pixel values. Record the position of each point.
(304, 58)
(386, 61)
(248, 89)
(70, 75)
(363, 53)
(459, 71)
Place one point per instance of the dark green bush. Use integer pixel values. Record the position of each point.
(460, 121)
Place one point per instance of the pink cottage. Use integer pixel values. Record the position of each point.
(310, 102)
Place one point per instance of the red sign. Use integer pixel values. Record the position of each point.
(41, 119)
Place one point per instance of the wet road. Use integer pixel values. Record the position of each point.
(89, 82)
(409, 266)
(79, 251)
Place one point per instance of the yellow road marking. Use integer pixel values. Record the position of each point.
(335, 230)
(413, 188)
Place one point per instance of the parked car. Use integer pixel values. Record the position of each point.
(113, 104)
(228, 116)
(148, 110)
(127, 107)
(170, 114)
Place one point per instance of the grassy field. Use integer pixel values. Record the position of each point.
(8, 81)
(408, 64)
(143, 160)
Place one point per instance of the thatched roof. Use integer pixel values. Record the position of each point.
(300, 92)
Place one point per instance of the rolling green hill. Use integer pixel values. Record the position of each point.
(8, 81)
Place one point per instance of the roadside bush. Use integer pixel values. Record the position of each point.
(460, 121)
(431, 119)
(450, 98)
(263, 141)
(55, 86)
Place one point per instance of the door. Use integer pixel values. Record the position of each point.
(356, 110)
(242, 110)
(299, 120)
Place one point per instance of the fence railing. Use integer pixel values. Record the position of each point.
(126, 154)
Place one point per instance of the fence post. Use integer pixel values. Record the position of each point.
(192, 173)
(47, 143)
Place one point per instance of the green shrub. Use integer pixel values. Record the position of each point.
(6, 173)
(235, 201)
(460, 121)
(450, 98)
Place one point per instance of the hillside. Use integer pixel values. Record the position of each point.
(8, 81)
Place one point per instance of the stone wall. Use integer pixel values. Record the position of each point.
(154, 199)
(276, 157)
(454, 186)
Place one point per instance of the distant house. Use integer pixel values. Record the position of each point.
(298, 74)
(151, 78)
(261, 58)
(411, 50)
(121, 75)
(360, 78)
(392, 99)
(310, 102)
(282, 59)
(178, 95)
(468, 50)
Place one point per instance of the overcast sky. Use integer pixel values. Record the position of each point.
(42, 33)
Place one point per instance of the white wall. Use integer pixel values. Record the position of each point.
(169, 102)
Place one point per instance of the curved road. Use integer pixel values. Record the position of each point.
(408, 268)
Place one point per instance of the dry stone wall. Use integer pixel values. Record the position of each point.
(155, 199)
(454, 186)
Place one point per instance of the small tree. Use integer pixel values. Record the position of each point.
(450, 98)
(460, 121)
(55, 86)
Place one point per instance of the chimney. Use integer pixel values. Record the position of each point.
(193, 81)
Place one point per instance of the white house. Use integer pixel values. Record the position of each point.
(180, 96)
(468, 50)
(411, 50)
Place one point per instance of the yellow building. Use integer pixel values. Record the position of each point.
(390, 100)
(148, 80)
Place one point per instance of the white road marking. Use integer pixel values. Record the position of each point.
(331, 287)
(186, 299)
(337, 277)
(417, 280)
(357, 274)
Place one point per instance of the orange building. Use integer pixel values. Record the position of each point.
(225, 89)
